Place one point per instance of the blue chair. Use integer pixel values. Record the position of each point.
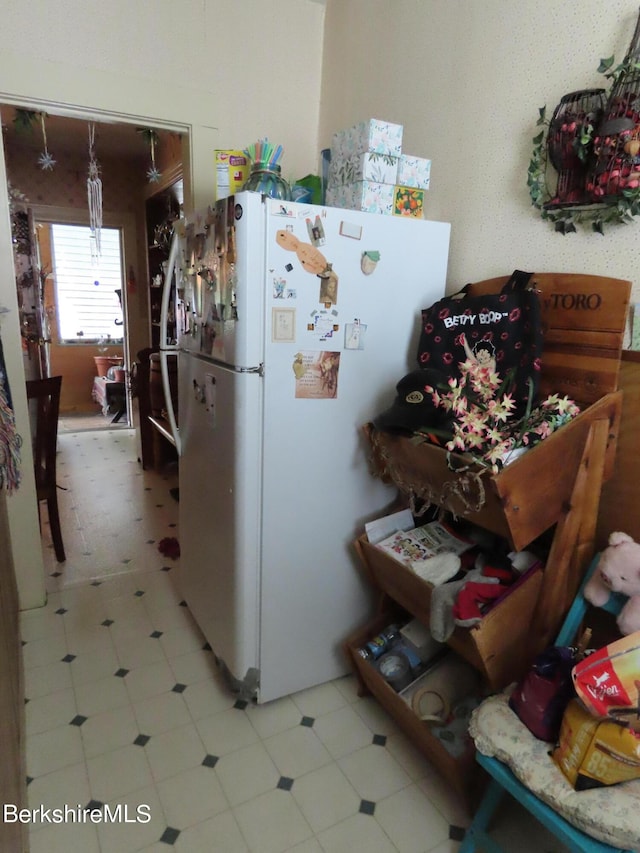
(510, 754)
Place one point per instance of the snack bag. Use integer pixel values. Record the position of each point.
(608, 681)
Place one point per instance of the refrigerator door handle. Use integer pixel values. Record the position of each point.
(259, 370)
(229, 368)
(165, 347)
(168, 400)
(172, 264)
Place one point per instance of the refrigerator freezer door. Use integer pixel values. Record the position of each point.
(220, 508)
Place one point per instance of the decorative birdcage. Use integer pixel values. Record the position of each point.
(617, 140)
(568, 143)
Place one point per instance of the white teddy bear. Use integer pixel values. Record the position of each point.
(618, 570)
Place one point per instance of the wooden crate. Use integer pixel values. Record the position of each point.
(621, 493)
(484, 645)
(557, 482)
(463, 773)
(522, 500)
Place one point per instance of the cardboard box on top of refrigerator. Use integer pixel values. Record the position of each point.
(370, 166)
(414, 171)
(232, 169)
(369, 196)
(339, 196)
(374, 197)
(382, 137)
(408, 201)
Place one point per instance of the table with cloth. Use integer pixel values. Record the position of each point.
(110, 396)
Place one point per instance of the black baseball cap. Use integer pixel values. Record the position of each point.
(413, 409)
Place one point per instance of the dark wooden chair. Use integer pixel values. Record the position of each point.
(140, 391)
(46, 396)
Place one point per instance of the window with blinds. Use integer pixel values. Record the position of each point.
(87, 300)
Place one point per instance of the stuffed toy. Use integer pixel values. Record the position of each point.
(618, 570)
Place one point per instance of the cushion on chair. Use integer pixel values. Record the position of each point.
(609, 814)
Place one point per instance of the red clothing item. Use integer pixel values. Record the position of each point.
(469, 601)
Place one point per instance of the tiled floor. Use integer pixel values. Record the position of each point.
(126, 708)
(89, 421)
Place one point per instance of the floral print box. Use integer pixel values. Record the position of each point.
(382, 137)
(369, 166)
(369, 196)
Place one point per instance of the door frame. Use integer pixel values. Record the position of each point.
(22, 509)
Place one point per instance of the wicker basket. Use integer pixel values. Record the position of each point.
(575, 112)
(617, 141)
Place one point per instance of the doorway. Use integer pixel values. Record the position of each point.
(123, 154)
(131, 171)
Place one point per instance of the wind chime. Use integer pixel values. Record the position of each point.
(94, 194)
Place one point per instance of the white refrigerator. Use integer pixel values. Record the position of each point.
(298, 321)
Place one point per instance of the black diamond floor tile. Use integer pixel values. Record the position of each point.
(367, 807)
(170, 836)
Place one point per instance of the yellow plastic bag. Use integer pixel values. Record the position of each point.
(593, 753)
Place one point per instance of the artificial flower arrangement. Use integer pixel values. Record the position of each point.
(483, 411)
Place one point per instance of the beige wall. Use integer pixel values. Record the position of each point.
(229, 73)
(466, 79)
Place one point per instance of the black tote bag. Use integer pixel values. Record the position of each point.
(502, 330)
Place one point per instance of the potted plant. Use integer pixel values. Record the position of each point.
(104, 361)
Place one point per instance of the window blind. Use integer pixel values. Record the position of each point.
(87, 304)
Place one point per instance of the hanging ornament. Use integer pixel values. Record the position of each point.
(153, 174)
(94, 194)
(45, 160)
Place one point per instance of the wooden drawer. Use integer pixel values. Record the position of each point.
(462, 773)
(496, 646)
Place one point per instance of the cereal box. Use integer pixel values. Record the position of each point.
(231, 171)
